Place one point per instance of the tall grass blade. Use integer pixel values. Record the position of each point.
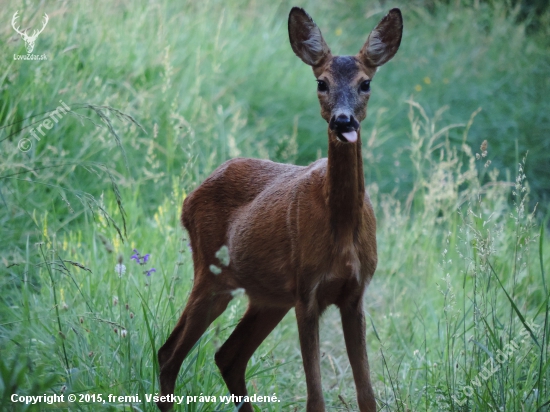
(514, 306)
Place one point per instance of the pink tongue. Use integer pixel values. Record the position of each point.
(350, 136)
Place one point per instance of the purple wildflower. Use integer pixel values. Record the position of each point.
(142, 260)
(135, 256)
(139, 258)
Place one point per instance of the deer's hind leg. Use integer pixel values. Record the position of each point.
(205, 304)
(234, 354)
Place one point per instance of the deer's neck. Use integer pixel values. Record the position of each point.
(344, 187)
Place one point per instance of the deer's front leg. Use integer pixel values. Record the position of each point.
(308, 329)
(353, 323)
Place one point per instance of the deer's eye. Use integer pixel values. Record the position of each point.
(365, 86)
(322, 86)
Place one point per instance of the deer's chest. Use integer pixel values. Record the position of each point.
(337, 275)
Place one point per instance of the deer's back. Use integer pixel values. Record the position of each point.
(209, 209)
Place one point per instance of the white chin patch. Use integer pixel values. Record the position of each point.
(351, 137)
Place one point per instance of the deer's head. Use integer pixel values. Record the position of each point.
(29, 40)
(343, 82)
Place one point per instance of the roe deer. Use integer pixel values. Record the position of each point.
(300, 237)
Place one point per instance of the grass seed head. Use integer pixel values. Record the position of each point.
(483, 146)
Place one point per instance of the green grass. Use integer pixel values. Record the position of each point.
(161, 94)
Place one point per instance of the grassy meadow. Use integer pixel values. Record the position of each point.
(161, 93)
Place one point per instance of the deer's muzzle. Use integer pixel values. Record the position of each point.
(345, 127)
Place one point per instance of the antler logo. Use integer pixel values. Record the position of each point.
(29, 40)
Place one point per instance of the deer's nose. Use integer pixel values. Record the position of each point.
(342, 122)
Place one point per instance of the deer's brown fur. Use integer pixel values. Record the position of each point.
(302, 237)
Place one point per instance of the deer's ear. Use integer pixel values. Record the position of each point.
(384, 40)
(306, 38)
